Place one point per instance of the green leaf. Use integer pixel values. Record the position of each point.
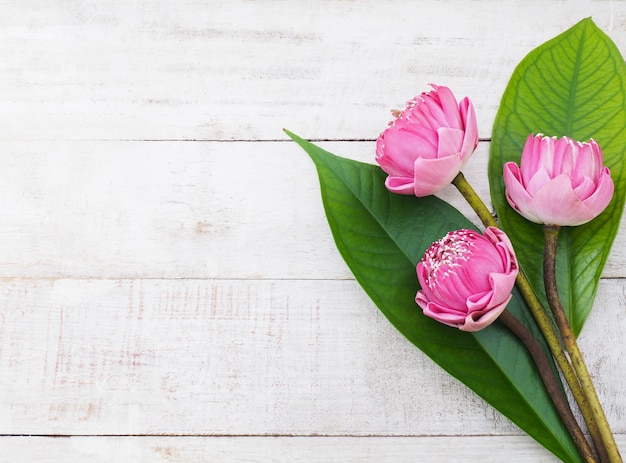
(382, 236)
(573, 85)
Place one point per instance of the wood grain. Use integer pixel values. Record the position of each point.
(441, 449)
(181, 210)
(240, 357)
(243, 70)
(169, 288)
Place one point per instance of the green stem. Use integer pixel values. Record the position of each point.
(552, 386)
(541, 317)
(551, 233)
(565, 366)
(474, 201)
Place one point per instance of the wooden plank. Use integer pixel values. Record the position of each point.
(443, 449)
(238, 357)
(192, 289)
(242, 70)
(179, 210)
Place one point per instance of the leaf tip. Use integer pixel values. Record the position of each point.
(293, 136)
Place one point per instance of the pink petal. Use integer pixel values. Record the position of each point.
(585, 165)
(426, 293)
(497, 236)
(450, 141)
(545, 150)
(386, 159)
(474, 274)
(441, 313)
(479, 302)
(432, 175)
(516, 194)
(400, 185)
(585, 188)
(531, 157)
(422, 116)
(432, 106)
(470, 140)
(421, 299)
(449, 108)
(507, 257)
(504, 247)
(453, 290)
(588, 163)
(396, 151)
(477, 321)
(597, 154)
(563, 159)
(425, 110)
(537, 181)
(600, 199)
(557, 204)
(502, 285)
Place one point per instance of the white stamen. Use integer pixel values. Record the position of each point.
(448, 253)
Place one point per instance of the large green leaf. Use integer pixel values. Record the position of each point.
(382, 236)
(572, 85)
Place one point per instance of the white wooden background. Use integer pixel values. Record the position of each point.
(169, 289)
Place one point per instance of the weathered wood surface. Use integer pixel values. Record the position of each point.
(437, 449)
(169, 290)
(241, 357)
(242, 70)
(172, 209)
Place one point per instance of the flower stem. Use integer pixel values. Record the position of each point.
(551, 233)
(474, 200)
(523, 285)
(552, 386)
(541, 317)
(565, 366)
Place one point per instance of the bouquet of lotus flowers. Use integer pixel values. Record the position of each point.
(499, 304)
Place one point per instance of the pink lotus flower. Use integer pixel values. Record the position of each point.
(560, 182)
(428, 144)
(467, 278)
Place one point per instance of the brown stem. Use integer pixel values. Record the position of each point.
(608, 444)
(552, 386)
(543, 321)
